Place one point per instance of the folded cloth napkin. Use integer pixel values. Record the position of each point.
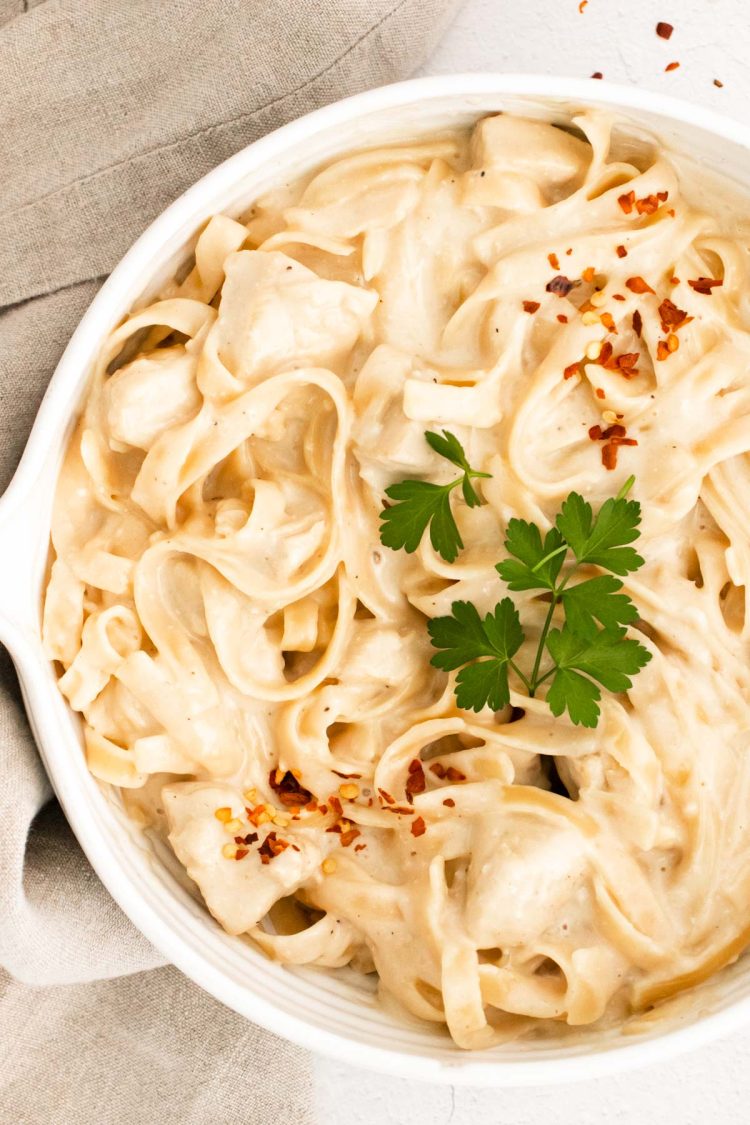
(109, 109)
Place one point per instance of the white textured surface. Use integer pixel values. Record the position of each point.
(711, 40)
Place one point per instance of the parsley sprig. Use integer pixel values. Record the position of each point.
(589, 650)
(419, 504)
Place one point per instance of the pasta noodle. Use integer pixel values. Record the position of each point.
(247, 654)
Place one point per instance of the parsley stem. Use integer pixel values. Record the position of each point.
(542, 641)
(550, 672)
(551, 555)
(471, 473)
(521, 676)
(625, 488)
(556, 595)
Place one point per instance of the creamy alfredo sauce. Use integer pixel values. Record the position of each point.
(247, 655)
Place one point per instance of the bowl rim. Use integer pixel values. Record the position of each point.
(20, 638)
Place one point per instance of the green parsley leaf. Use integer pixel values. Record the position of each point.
(483, 684)
(447, 445)
(530, 568)
(465, 637)
(608, 657)
(597, 600)
(421, 504)
(601, 541)
(579, 696)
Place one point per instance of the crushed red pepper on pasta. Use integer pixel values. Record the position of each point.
(415, 782)
(705, 284)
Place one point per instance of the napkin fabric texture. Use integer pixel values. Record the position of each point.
(109, 109)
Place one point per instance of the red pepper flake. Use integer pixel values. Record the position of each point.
(530, 306)
(418, 827)
(637, 323)
(251, 838)
(599, 393)
(572, 369)
(626, 364)
(562, 318)
(438, 769)
(569, 251)
(334, 828)
(288, 789)
(609, 456)
(553, 261)
(588, 273)
(662, 351)
(617, 297)
(627, 202)
(349, 837)
(561, 285)
(609, 322)
(650, 203)
(605, 355)
(389, 800)
(719, 83)
(671, 66)
(271, 847)
(449, 802)
(360, 847)
(638, 285)
(454, 775)
(671, 317)
(241, 853)
(416, 782)
(597, 74)
(664, 30)
(621, 252)
(613, 436)
(583, 4)
(257, 815)
(335, 804)
(705, 284)
(401, 810)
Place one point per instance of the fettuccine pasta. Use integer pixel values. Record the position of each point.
(252, 665)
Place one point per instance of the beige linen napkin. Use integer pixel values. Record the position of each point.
(108, 111)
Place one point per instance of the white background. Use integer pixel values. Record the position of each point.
(711, 40)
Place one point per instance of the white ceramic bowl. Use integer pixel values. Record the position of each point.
(335, 1013)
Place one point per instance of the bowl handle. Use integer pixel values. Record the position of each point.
(24, 516)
